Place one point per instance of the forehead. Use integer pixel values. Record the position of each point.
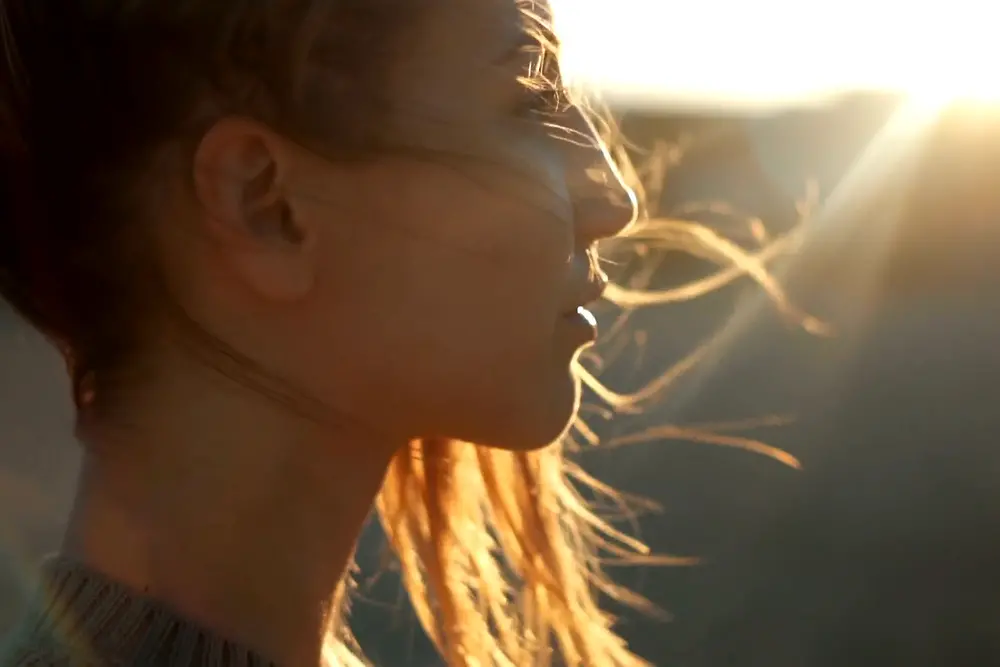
(448, 81)
(478, 30)
(453, 44)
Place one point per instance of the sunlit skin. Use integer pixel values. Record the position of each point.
(434, 292)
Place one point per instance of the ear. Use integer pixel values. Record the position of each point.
(241, 178)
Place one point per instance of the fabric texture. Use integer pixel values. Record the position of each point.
(81, 618)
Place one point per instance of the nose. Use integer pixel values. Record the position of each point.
(603, 203)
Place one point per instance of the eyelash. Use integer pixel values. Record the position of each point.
(543, 93)
(540, 101)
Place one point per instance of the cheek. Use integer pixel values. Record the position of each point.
(450, 293)
(484, 293)
(512, 160)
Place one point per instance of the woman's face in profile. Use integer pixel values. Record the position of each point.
(449, 273)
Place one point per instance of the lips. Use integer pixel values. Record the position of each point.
(578, 327)
(587, 295)
(587, 315)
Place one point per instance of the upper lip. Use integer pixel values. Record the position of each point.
(590, 283)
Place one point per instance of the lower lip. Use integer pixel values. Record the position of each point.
(582, 325)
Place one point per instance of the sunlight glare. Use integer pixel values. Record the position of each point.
(767, 52)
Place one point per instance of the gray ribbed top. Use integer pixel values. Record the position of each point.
(82, 618)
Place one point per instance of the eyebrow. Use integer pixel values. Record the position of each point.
(537, 38)
(516, 47)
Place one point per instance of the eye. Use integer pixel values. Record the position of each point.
(542, 91)
(539, 101)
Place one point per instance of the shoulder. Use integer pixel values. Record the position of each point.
(25, 646)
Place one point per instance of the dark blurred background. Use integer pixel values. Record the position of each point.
(882, 548)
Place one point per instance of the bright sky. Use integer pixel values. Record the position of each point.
(761, 52)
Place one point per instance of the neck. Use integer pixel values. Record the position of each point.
(240, 516)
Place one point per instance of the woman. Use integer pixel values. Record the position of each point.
(297, 254)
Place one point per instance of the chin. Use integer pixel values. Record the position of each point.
(539, 422)
(530, 438)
